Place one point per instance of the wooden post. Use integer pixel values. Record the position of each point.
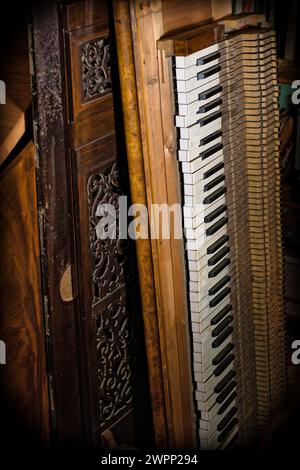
(150, 148)
(138, 196)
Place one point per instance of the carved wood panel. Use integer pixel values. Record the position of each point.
(109, 256)
(111, 338)
(96, 68)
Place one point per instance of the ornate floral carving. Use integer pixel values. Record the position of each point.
(115, 345)
(96, 71)
(109, 256)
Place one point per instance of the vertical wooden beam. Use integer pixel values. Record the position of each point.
(55, 220)
(138, 196)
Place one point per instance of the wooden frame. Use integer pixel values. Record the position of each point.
(55, 220)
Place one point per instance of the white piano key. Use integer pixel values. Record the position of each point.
(188, 155)
(198, 163)
(206, 405)
(195, 254)
(183, 122)
(201, 210)
(190, 143)
(186, 86)
(202, 305)
(195, 245)
(192, 108)
(193, 95)
(196, 266)
(200, 195)
(203, 358)
(204, 283)
(190, 72)
(201, 131)
(190, 60)
(212, 442)
(204, 317)
(212, 414)
(208, 386)
(213, 430)
(192, 178)
(198, 231)
(200, 288)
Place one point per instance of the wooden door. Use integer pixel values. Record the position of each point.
(104, 371)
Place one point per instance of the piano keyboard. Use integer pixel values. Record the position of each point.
(227, 133)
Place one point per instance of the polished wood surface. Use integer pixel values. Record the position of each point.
(24, 386)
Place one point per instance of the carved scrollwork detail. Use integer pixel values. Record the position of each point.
(96, 68)
(115, 345)
(109, 256)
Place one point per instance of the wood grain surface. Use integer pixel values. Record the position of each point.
(23, 379)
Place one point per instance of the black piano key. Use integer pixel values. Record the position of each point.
(209, 138)
(216, 300)
(204, 95)
(226, 392)
(216, 245)
(227, 403)
(222, 354)
(219, 285)
(222, 337)
(208, 58)
(225, 363)
(223, 423)
(210, 151)
(214, 196)
(232, 444)
(208, 72)
(219, 268)
(216, 227)
(222, 384)
(224, 434)
(220, 254)
(218, 330)
(209, 106)
(214, 182)
(217, 318)
(214, 214)
(210, 118)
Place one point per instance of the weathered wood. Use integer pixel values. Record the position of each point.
(193, 40)
(138, 196)
(56, 226)
(162, 188)
(220, 8)
(114, 376)
(177, 14)
(242, 20)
